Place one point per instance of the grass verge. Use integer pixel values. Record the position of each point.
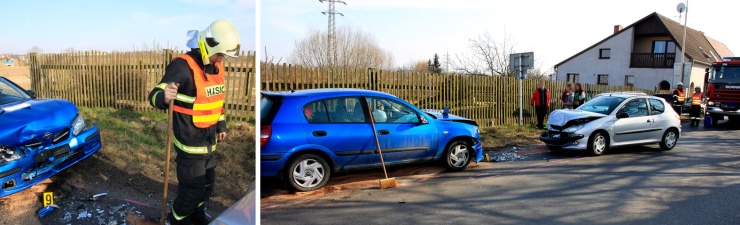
(501, 136)
(133, 146)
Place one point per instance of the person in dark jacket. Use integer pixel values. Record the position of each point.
(678, 98)
(696, 100)
(541, 101)
(194, 83)
(579, 96)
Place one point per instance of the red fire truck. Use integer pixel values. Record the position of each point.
(723, 89)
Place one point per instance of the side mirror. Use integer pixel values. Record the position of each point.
(422, 119)
(31, 93)
(623, 115)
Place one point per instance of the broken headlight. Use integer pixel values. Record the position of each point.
(8, 154)
(78, 125)
(573, 128)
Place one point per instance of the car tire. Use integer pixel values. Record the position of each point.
(458, 155)
(669, 140)
(598, 143)
(307, 172)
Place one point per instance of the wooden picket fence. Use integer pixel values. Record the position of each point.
(123, 80)
(490, 100)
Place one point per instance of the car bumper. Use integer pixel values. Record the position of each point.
(478, 147)
(718, 111)
(575, 142)
(271, 165)
(25, 172)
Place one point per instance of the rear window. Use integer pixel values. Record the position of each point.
(269, 104)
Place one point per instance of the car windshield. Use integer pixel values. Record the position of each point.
(10, 93)
(602, 104)
(726, 75)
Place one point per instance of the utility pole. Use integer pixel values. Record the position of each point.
(331, 40)
(683, 42)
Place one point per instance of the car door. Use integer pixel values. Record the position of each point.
(634, 128)
(660, 121)
(332, 124)
(402, 137)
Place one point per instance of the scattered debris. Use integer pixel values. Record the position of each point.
(84, 214)
(94, 197)
(46, 210)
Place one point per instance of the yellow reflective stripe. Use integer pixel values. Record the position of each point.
(162, 85)
(206, 118)
(222, 118)
(154, 97)
(208, 106)
(201, 204)
(193, 150)
(177, 217)
(185, 98)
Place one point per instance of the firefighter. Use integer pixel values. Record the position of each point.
(678, 98)
(195, 82)
(695, 113)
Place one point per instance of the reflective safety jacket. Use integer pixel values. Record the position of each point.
(679, 96)
(198, 116)
(696, 99)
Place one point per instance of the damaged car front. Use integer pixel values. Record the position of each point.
(39, 137)
(571, 129)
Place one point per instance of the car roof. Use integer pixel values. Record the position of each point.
(624, 94)
(327, 92)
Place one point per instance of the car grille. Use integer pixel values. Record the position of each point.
(61, 136)
(552, 133)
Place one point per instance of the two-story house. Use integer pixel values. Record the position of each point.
(643, 55)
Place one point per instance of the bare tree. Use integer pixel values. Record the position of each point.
(35, 49)
(415, 67)
(356, 49)
(488, 56)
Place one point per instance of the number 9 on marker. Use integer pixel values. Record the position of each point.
(48, 198)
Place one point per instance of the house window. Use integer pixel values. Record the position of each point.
(660, 47)
(629, 80)
(572, 78)
(605, 53)
(603, 79)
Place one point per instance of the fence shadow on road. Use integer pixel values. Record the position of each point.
(614, 189)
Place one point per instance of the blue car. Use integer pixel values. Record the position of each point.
(39, 137)
(307, 135)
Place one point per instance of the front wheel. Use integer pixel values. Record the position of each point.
(597, 144)
(670, 138)
(458, 155)
(308, 172)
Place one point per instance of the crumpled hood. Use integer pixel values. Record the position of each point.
(449, 117)
(561, 116)
(22, 122)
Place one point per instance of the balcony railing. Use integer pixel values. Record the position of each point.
(652, 60)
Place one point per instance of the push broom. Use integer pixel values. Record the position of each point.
(387, 182)
(167, 161)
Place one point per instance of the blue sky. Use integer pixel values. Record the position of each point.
(416, 29)
(116, 25)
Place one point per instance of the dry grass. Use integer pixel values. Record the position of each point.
(19, 75)
(136, 140)
(500, 136)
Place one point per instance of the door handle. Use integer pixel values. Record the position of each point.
(319, 133)
(383, 132)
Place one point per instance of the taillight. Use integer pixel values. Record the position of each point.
(265, 133)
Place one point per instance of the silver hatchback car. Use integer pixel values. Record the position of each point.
(612, 120)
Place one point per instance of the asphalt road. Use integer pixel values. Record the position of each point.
(698, 182)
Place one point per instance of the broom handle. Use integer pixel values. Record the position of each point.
(377, 143)
(167, 161)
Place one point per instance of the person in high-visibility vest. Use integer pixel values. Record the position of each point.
(678, 98)
(195, 83)
(695, 113)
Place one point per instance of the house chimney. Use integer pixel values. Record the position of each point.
(617, 28)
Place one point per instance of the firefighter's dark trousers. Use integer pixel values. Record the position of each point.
(195, 177)
(695, 114)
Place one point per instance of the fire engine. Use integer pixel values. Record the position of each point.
(723, 89)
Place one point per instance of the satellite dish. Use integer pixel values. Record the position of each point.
(681, 7)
